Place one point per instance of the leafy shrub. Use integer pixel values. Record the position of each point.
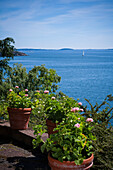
(3, 110)
(53, 106)
(38, 78)
(19, 99)
(72, 141)
(103, 147)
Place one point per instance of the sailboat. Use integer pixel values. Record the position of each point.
(83, 53)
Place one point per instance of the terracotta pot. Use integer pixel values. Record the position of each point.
(19, 117)
(50, 127)
(67, 165)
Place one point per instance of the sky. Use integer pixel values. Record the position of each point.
(55, 24)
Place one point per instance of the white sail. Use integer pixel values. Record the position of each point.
(83, 53)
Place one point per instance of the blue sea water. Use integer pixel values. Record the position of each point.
(89, 76)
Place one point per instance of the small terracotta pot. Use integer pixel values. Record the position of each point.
(67, 165)
(19, 117)
(50, 127)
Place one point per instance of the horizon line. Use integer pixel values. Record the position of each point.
(66, 48)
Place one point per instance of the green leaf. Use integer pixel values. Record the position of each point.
(43, 147)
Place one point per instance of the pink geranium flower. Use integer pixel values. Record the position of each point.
(38, 91)
(81, 110)
(75, 109)
(26, 89)
(26, 95)
(46, 91)
(53, 98)
(17, 87)
(89, 120)
(77, 125)
(80, 103)
(10, 90)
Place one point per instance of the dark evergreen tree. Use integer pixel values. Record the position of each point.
(6, 48)
(6, 53)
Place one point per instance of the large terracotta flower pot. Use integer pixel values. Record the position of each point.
(50, 127)
(67, 165)
(19, 117)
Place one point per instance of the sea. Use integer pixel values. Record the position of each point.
(88, 76)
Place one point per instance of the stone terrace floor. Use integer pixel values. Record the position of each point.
(16, 151)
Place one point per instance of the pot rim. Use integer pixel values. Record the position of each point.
(72, 162)
(25, 109)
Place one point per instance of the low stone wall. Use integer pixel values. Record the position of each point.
(24, 136)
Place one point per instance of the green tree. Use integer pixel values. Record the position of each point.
(6, 52)
(6, 48)
(38, 78)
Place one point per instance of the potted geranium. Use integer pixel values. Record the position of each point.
(71, 146)
(56, 107)
(19, 108)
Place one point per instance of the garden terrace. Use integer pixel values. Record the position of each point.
(16, 150)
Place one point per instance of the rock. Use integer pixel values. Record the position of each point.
(18, 53)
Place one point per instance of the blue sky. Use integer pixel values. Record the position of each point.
(54, 24)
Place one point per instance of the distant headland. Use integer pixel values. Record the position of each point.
(18, 53)
(66, 49)
(45, 49)
(62, 49)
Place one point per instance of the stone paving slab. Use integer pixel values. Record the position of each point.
(25, 136)
(13, 157)
(16, 150)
